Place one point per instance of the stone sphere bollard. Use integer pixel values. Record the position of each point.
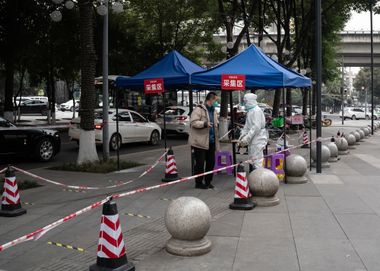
(366, 131)
(334, 152)
(188, 220)
(351, 139)
(264, 185)
(324, 157)
(296, 168)
(342, 145)
(362, 134)
(357, 137)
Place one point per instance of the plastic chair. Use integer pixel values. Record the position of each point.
(275, 162)
(219, 157)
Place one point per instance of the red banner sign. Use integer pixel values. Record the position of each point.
(233, 82)
(153, 86)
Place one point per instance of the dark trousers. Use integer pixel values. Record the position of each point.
(204, 161)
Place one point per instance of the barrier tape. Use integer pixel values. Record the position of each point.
(220, 138)
(3, 170)
(80, 188)
(40, 232)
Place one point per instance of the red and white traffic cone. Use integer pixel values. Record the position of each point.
(305, 139)
(171, 172)
(241, 198)
(10, 201)
(111, 249)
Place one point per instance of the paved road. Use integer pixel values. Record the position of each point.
(69, 152)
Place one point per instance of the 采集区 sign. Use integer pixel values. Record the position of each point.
(153, 86)
(233, 82)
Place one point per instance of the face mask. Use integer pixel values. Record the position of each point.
(215, 104)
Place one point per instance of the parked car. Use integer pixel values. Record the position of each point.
(132, 128)
(42, 144)
(69, 106)
(34, 107)
(177, 119)
(354, 113)
(376, 114)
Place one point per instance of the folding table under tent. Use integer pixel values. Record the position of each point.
(172, 71)
(255, 70)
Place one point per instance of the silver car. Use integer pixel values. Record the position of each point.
(177, 119)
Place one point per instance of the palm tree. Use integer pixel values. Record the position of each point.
(87, 149)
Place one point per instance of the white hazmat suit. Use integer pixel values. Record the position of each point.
(254, 135)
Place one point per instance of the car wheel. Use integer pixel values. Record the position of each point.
(45, 149)
(115, 142)
(154, 138)
(353, 117)
(72, 109)
(367, 117)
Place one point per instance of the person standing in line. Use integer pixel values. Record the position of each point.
(204, 139)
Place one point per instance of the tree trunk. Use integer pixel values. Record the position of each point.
(289, 102)
(276, 102)
(305, 99)
(10, 35)
(87, 148)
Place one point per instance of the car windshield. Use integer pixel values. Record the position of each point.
(99, 114)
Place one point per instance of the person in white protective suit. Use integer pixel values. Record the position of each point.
(254, 135)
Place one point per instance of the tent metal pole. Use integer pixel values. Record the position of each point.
(233, 125)
(190, 91)
(284, 115)
(164, 102)
(310, 124)
(117, 129)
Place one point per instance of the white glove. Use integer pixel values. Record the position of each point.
(243, 142)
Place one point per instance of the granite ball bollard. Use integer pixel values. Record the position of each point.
(264, 185)
(357, 137)
(342, 145)
(334, 152)
(325, 156)
(351, 139)
(362, 134)
(366, 131)
(296, 168)
(188, 220)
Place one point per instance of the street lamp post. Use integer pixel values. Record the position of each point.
(319, 80)
(105, 131)
(372, 91)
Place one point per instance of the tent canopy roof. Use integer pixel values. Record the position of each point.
(174, 68)
(259, 69)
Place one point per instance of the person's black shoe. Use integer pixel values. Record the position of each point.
(210, 186)
(201, 186)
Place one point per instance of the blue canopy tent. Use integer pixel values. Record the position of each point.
(174, 69)
(259, 69)
(260, 72)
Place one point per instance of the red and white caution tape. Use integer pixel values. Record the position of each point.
(149, 169)
(40, 232)
(3, 170)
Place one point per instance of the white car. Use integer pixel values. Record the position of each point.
(69, 106)
(354, 113)
(132, 128)
(177, 119)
